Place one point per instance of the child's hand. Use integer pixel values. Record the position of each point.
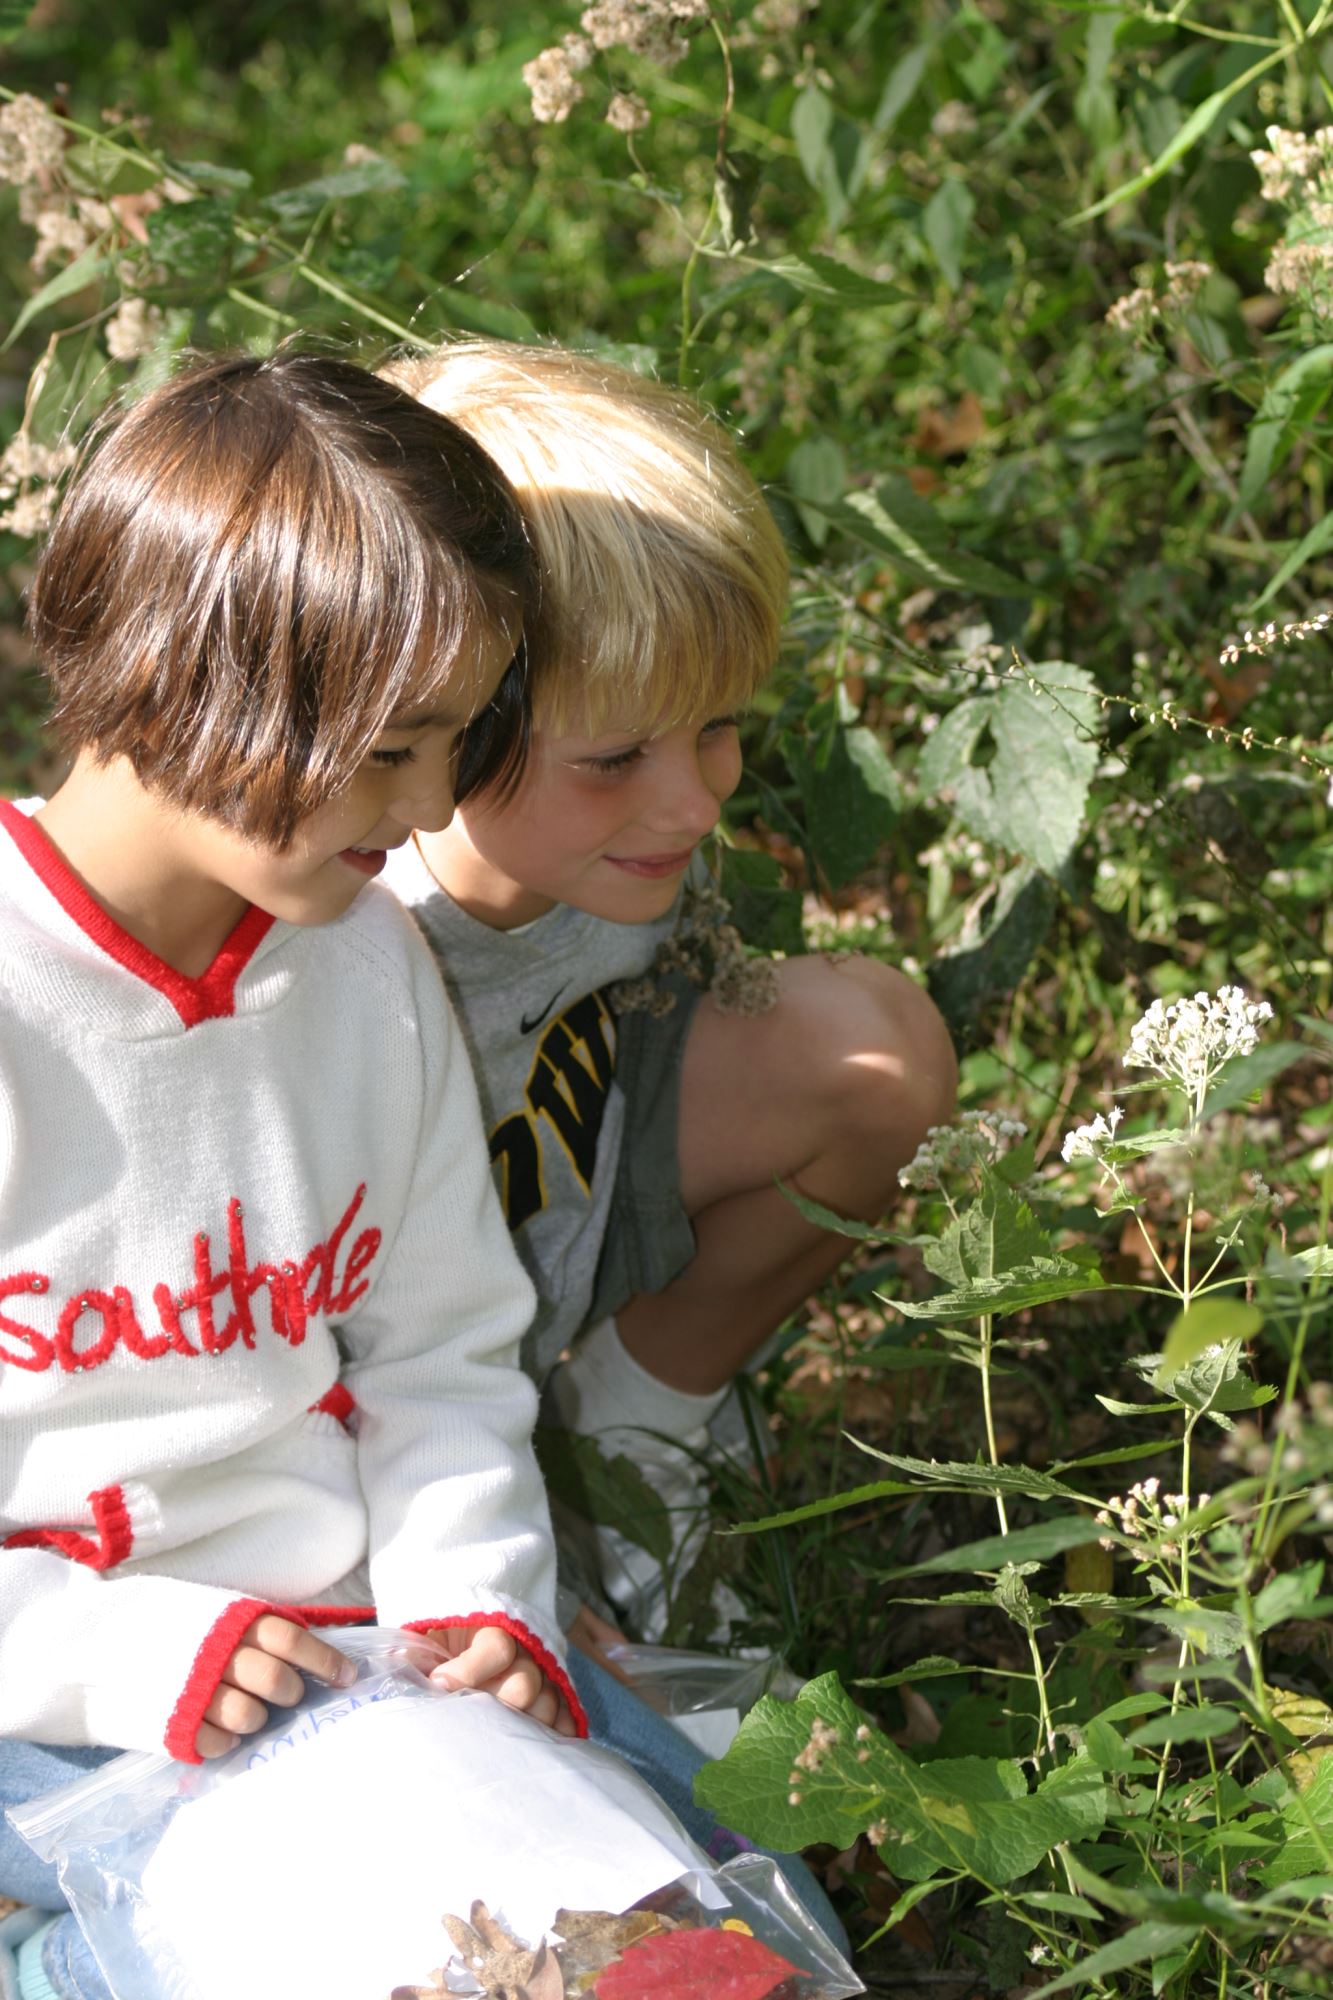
(487, 1657)
(264, 1670)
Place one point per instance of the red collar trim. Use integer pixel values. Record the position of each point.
(208, 998)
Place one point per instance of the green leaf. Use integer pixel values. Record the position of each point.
(958, 1477)
(1217, 1633)
(1187, 1725)
(897, 523)
(611, 1492)
(1207, 1323)
(1001, 935)
(475, 315)
(1247, 1074)
(900, 86)
(1034, 1284)
(370, 177)
(828, 1218)
(825, 278)
(1289, 1595)
(90, 265)
(1035, 1544)
(1042, 721)
(817, 475)
(1312, 544)
(192, 238)
(833, 1503)
(1137, 1947)
(945, 222)
(971, 1814)
(99, 168)
(1307, 1823)
(1200, 120)
(851, 803)
(830, 149)
(765, 912)
(1294, 395)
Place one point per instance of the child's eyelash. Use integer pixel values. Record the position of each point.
(618, 762)
(387, 759)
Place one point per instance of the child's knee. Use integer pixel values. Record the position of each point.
(881, 1055)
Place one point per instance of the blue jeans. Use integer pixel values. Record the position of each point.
(26, 1771)
(617, 1720)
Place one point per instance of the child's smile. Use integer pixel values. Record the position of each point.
(606, 822)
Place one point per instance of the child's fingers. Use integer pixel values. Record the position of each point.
(211, 1742)
(235, 1711)
(305, 1651)
(258, 1673)
(489, 1654)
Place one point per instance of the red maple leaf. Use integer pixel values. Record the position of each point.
(694, 1965)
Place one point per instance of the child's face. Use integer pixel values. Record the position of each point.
(607, 822)
(406, 783)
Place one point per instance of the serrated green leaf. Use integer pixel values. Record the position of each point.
(764, 910)
(971, 1814)
(1045, 1539)
(192, 238)
(611, 1492)
(1207, 1323)
(828, 1218)
(1307, 1824)
(1035, 1284)
(851, 803)
(1289, 1595)
(959, 1477)
(1216, 1633)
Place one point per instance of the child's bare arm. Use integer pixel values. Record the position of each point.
(489, 1658)
(265, 1670)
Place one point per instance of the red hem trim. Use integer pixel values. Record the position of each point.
(110, 1519)
(336, 1402)
(210, 997)
(530, 1643)
(219, 1645)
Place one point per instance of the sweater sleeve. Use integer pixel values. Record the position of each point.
(132, 1661)
(459, 1528)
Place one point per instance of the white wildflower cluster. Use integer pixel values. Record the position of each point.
(824, 1736)
(32, 142)
(651, 29)
(32, 152)
(1261, 639)
(1085, 1142)
(1293, 161)
(1189, 1041)
(954, 120)
(133, 329)
(1146, 1513)
(627, 112)
(28, 473)
(951, 1152)
(1138, 309)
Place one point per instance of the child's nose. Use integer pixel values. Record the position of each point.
(426, 802)
(689, 804)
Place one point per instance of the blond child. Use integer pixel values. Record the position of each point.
(259, 1311)
(637, 1153)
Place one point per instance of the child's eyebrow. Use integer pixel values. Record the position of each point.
(423, 718)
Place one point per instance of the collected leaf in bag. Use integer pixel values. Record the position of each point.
(590, 1939)
(695, 1965)
(497, 1961)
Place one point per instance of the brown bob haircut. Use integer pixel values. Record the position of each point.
(256, 567)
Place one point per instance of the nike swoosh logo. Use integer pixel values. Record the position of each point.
(526, 1025)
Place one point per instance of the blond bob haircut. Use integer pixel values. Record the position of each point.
(662, 575)
(256, 567)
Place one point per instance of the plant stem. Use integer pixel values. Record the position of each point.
(987, 1335)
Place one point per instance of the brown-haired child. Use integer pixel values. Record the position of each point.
(259, 1312)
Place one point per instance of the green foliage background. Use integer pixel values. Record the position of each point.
(1006, 747)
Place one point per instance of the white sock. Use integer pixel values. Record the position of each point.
(603, 1388)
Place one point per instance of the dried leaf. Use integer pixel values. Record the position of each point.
(695, 1965)
(546, 1980)
(499, 1963)
(592, 1938)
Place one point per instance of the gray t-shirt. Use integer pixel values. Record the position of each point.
(542, 1036)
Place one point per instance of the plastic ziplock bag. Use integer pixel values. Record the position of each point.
(704, 1694)
(324, 1854)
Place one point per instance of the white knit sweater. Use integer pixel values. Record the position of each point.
(207, 1188)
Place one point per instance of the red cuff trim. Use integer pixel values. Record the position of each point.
(336, 1402)
(311, 1615)
(530, 1643)
(205, 1674)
